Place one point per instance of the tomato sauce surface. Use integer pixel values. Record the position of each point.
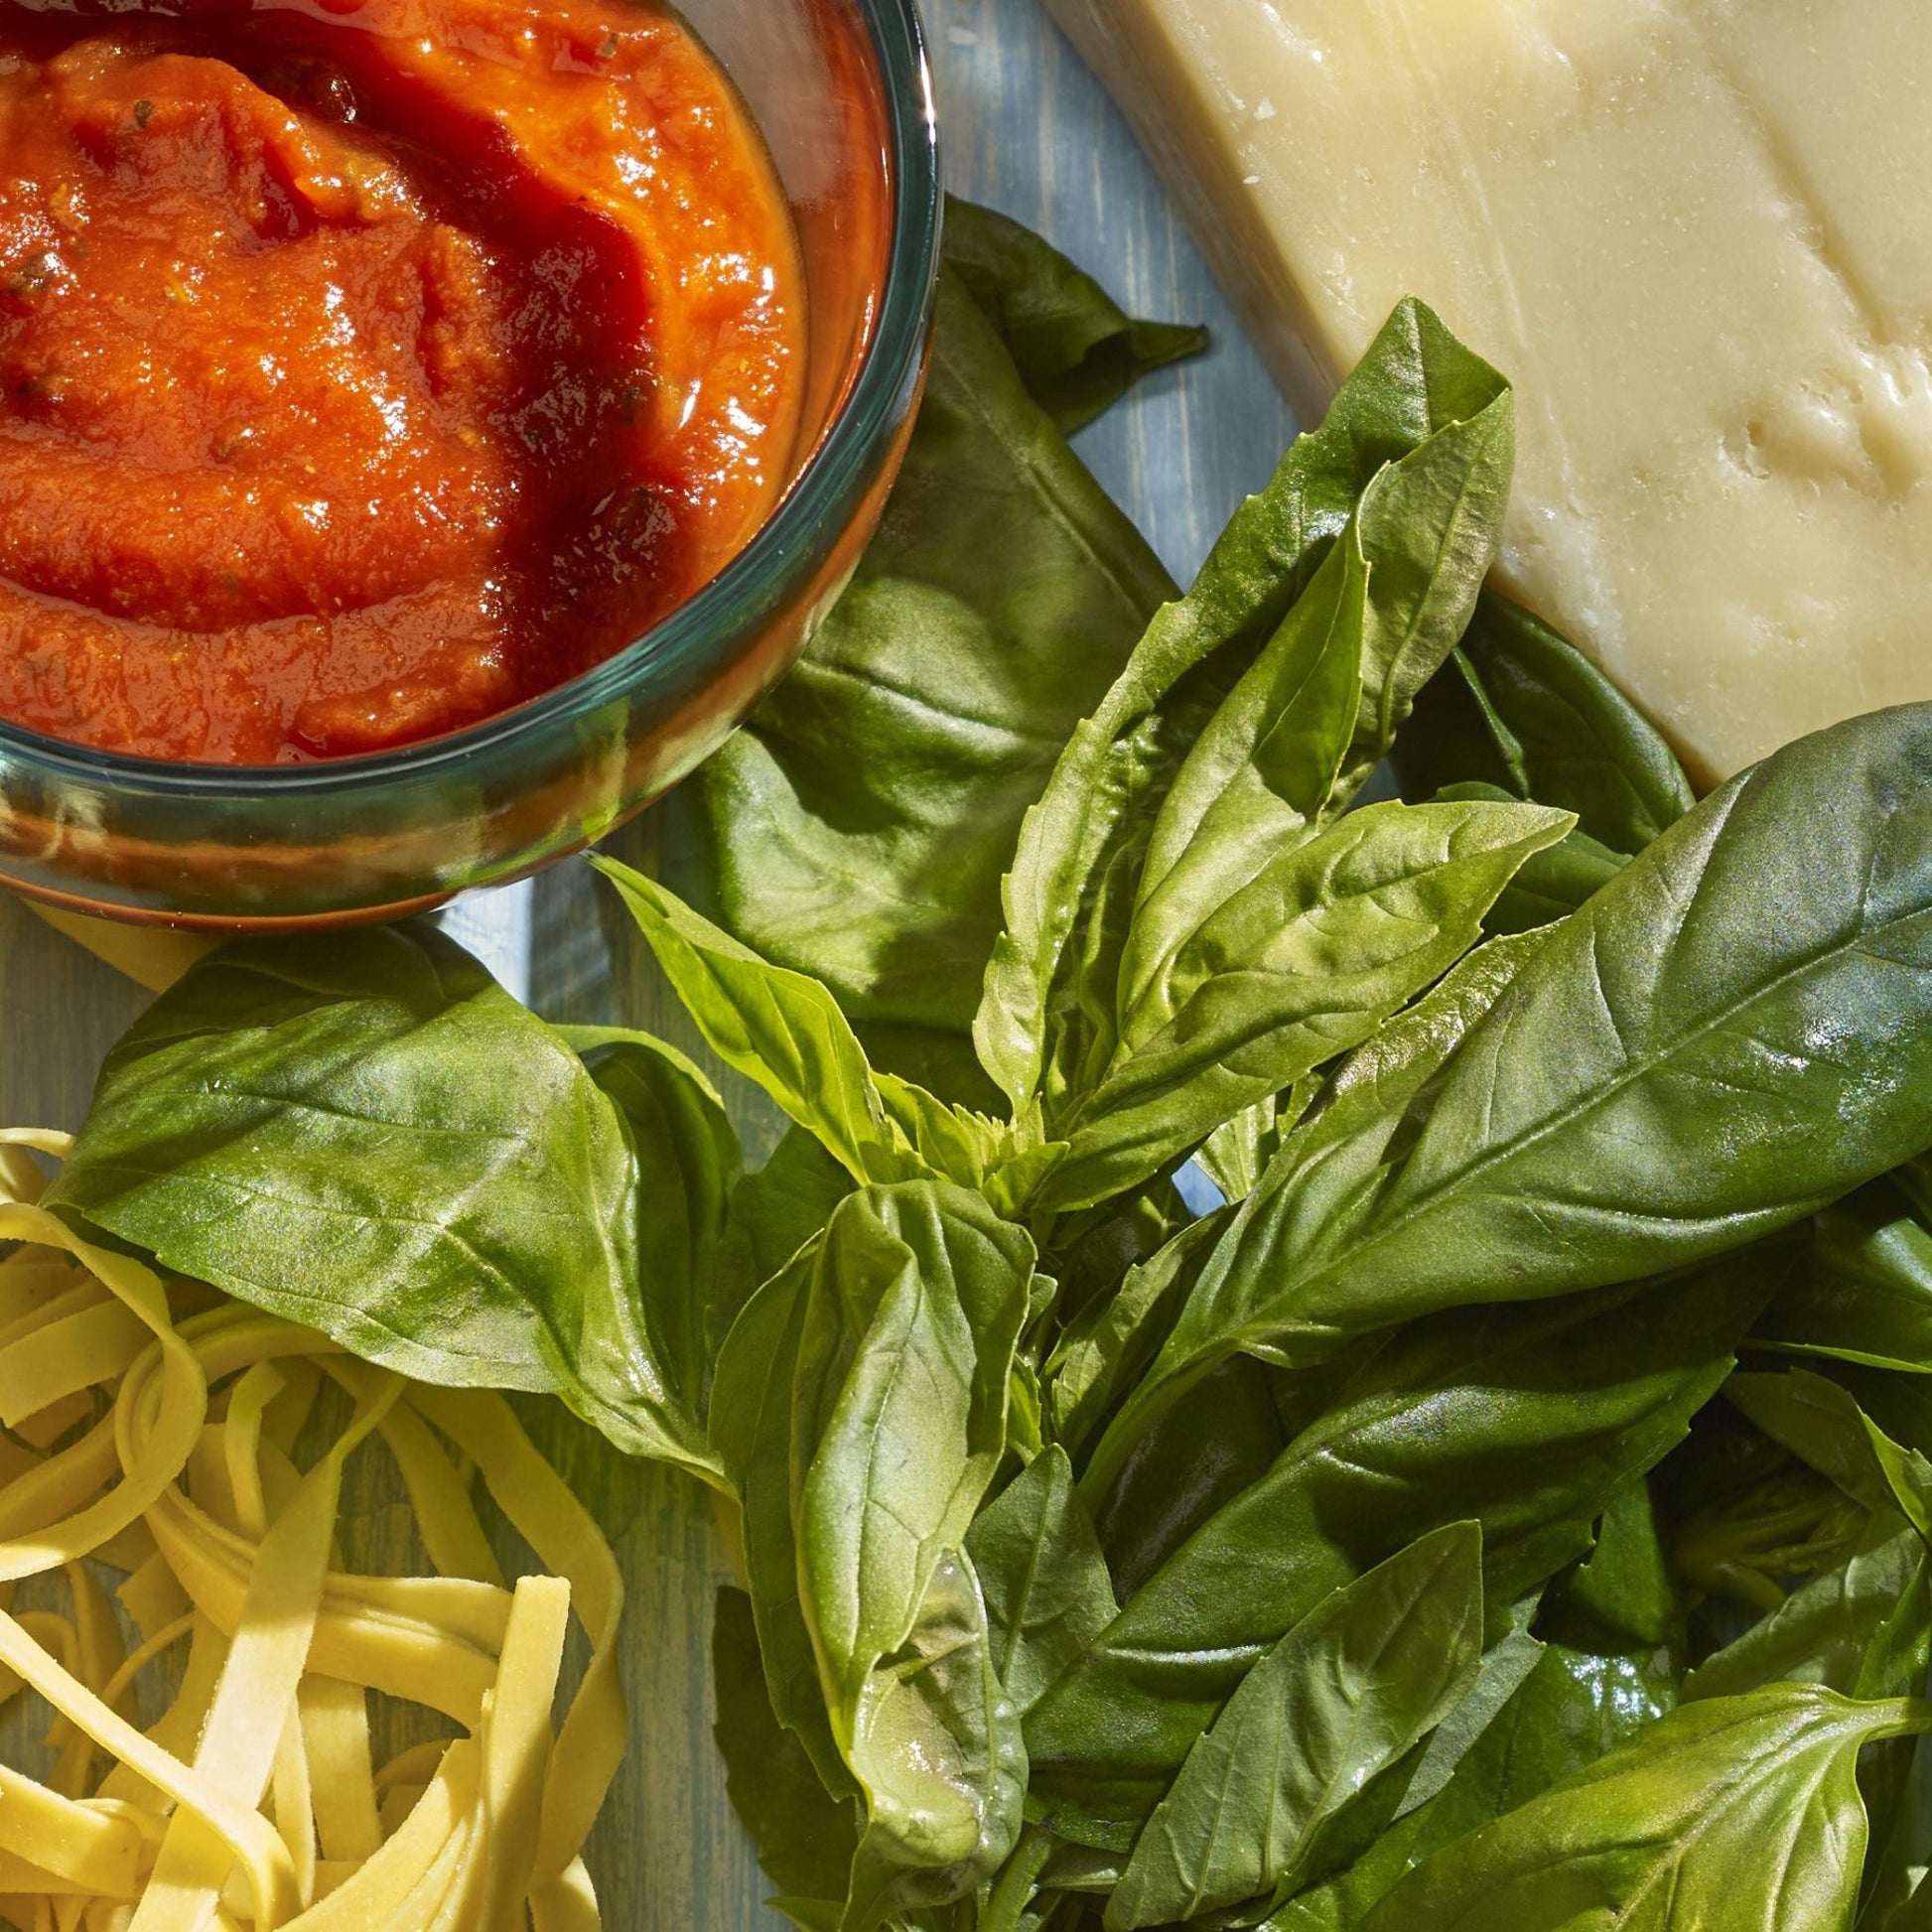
(370, 367)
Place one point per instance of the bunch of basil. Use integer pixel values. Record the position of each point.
(1401, 1544)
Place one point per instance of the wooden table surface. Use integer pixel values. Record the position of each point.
(1026, 129)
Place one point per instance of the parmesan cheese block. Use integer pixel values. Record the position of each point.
(1695, 234)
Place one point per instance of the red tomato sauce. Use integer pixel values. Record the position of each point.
(370, 367)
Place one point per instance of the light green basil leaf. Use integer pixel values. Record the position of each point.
(1076, 349)
(751, 1425)
(859, 823)
(1525, 1418)
(365, 1134)
(804, 1837)
(776, 1209)
(786, 1033)
(1107, 785)
(918, 1297)
(937, 1748)
(1741, 1812)
(1520, 708)
(688, 1168)
(1346, 1694)
(1304, 963)
(1237, 1153)
(1676, 1072)
(1821, 1421)
(1507, 1665)
(1047, 1588)
(1259, 776)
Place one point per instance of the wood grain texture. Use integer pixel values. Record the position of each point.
(1027, 130)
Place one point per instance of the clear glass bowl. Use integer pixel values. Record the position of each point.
(842, 91)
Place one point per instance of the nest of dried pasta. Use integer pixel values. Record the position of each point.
(153, 1430)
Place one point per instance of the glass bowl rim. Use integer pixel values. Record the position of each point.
(681, 643)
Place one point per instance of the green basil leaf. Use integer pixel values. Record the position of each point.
(1572, 1708)
(1624, 1597)
(751, 1425)
(1743, 1812)
(937, 1747)
(1338, 1156)
(1526, 1419)
(1304, 963)
(1345, 1695)
(1220, 1438)
(1860, 1627)
(1237, 1153)
(859, 821)
(786, 1033)
(1677, 1070)
(1868, 1294)
(688, 1167)
(1552, 884)
(1520, 708)
(365, 1134)
(1108, 1346)
(1259, 775)
(1107, 785)
(1076, 349)
(918, 1297)
(805, 1839)
(776, 1209)
(1047, 1588)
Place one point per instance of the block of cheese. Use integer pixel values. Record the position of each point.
(1696, 233)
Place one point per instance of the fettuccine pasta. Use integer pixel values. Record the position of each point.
(150, 1427)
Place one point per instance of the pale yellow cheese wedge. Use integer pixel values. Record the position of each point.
(1695, 237)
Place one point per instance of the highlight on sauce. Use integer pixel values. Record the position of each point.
(370, 366)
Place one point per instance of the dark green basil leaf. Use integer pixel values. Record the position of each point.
(1109, 1345)
(1100, 801)
(1077, 352)
(937, 1747)
(1741, 1813)
(1378, 1097)
(859, 823)
(1734, 1032)
(1867, 1296)
(1220, 1438)
(805, 1839)
(1346, 1694)
(1527, 1418)
(1861, 1627)
(1552, 884)
(1624, 1597)
(365, 1134)
(1047, 1588)
(1571, 1709)
(1519, 708)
